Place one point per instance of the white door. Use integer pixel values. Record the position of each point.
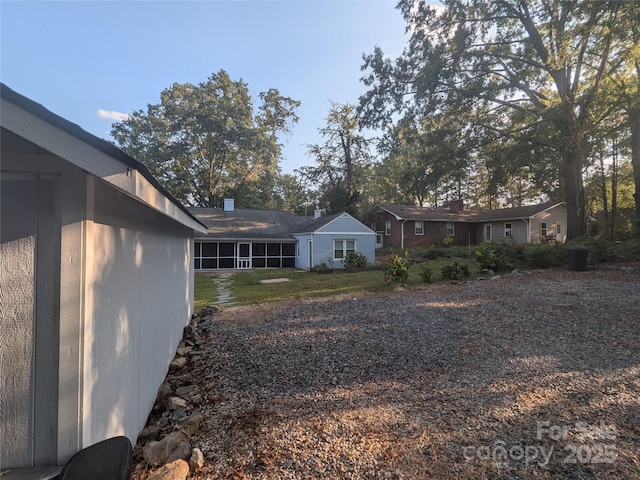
(487, 232)
(559, 232)
(244, 255)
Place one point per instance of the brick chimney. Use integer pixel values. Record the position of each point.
(456, 206)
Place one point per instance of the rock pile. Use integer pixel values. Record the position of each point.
(175, 418)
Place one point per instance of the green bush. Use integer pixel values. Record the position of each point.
(545, 256)
(425, 273)
(355, 260)
(454, 271)
(490, 258)
(397, 269)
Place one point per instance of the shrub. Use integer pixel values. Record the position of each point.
(490, 258)
(355, 260)
(545, 256)
(397, 269)
(425, 273)
(454, 271)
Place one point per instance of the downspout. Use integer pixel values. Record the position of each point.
(402, 233)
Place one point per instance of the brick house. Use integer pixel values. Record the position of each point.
(407, 226)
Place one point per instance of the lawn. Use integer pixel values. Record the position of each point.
(247, 289)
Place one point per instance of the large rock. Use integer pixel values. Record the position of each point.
(196, 461)
(178, 470)
(177, 363)
(173, 403)
(170, 448)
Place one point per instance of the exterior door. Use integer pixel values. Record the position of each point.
(29, 324)
(244, 255)
(488, 234)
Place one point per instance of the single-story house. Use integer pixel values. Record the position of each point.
(328, 240)
(408, 226)
(96, 286)
(249, 238)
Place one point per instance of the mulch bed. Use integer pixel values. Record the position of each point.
(534, 375)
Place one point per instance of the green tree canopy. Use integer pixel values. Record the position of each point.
(205, 142)
(341, 161)
(517, 69)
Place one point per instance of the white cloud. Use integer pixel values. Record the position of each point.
(112, 115)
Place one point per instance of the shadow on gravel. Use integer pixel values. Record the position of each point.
(537, 378)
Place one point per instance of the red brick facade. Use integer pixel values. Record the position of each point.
(403, 232)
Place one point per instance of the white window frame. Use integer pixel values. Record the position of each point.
(343, 248)
(387, 228)
(416, 230)
(508, 229)
(453, 229)
(543, 230)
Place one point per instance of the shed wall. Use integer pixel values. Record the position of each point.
(138, 300)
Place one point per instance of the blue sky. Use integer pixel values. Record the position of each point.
(84, 59)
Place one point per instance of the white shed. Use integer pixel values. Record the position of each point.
(328, 239)
(96, 286)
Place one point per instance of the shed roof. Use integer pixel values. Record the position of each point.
(25, 126)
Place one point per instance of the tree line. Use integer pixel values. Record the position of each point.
(500, 103)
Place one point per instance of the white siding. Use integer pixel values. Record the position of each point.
(344, 224)
(138, 299)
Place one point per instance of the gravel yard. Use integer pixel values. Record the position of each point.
(534, 375)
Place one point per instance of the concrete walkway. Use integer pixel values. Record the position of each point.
(223, 282)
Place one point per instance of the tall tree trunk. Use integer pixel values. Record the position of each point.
(614, 187)
(634, 121)
(605, 203)
(573, 159)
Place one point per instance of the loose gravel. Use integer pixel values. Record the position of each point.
(531, 375)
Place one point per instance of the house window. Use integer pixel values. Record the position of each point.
(543, 229)
(387, 228)
(558, 229)
(508, 227)
(487, 232)
(449, 229)
(378, 239)
(373, 227)
(341, 248)
(419, 228)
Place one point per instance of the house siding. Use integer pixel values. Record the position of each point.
(124, 294)
(138, 298)
(552, 217)
(319, 244)
(403, 232)
(518, 230)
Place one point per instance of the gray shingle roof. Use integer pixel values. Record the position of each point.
(443, 214)
(247, 223)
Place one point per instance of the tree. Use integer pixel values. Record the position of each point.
(204, 142)
(545, 60)
(341, 161)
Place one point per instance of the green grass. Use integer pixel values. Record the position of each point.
(247, 289)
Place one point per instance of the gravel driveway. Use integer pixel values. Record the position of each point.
(534, 375)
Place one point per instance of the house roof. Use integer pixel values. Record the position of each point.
(515, 213)
(313, 225)
(433, 214)
(247, 223)
(444, 214)
(149, 191)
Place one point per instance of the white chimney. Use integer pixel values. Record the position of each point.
(317, 214)
(229, 204)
